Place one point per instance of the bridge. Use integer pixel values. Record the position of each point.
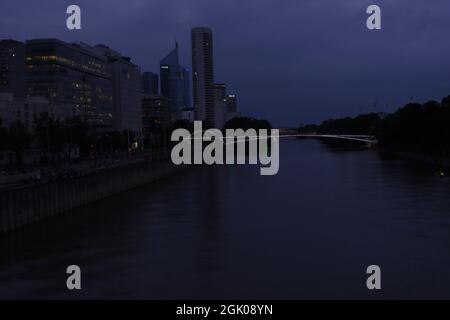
(371, 140)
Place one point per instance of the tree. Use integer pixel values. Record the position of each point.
(19, 139)
(308, 129)
(414, 127)
(246, 123)
(49, 133)
(78, 133)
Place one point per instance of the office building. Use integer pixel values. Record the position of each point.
(203, 75)
(127, 87)
(73, 78)
(12, 67)
(220, 105)
(155, 119)
(188, 114)
(231, 103)
(24, 110)
(231, 107)
(150, 83)
(174, 83)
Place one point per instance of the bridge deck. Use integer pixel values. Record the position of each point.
(359, 138)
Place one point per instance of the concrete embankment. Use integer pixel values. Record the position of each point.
(27, 205)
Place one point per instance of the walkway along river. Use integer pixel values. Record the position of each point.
(23, 206)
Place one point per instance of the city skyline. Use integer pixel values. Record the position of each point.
(330, 66)
(220, 157)
(105, 87)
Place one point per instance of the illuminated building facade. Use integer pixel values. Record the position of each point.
(73, 77)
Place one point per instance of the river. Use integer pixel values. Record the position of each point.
(227, 232)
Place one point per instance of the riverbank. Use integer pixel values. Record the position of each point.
(24, 206)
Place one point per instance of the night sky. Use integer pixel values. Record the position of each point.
(291, 61)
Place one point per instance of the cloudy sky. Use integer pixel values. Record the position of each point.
(290, 61)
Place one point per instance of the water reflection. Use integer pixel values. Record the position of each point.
(227, 232)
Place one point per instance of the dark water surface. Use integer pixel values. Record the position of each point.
(227, 232)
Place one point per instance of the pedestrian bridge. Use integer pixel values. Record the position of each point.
(350, 137)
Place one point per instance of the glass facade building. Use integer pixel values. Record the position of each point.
(150, 83)
(73, 77)
(175, 82)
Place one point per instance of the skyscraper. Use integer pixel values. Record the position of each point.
(150, 83)
(203, 74)
(174, 83)
(231, 103)
(12, 67)
(126, 84)
(220, 105)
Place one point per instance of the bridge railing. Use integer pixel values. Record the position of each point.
(352, 137)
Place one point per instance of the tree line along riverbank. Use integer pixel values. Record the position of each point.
(422, 130)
